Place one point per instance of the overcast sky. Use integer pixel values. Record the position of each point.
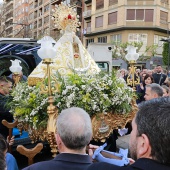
(1, 1)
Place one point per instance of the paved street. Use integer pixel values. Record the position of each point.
(123, 141)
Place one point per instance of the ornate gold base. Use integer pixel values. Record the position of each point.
(103, 124)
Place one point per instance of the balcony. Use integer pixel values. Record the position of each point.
(40, 25)
(87, 30)
(87, 14)
(53, 2)
(40, 3)
(87, 1)
(8, 3)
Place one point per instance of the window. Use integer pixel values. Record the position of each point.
(88, 41)
(46, 8)
(99, 22)
(88, 24)
(140, 14)
(31, 16)
(31, 6)
(117, 38)
(163, 17)
(46, 19)
(148, 15)
(158, 38)
(112, 18)
(165, 1)
(113, 2)
(102, 39)
(137, 38)
(130, 14)
(99, 4)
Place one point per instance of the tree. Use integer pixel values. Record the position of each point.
(165, 53)
(119, 50)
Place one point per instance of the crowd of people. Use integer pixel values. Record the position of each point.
(153, 83)
(149, 140)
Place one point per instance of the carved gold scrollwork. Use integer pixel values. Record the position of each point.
(103, 124)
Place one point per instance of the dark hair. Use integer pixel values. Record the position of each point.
(3, 144)
(146, 76)
(156, 88)
(2, 161)
(153, 120)
(6, 79)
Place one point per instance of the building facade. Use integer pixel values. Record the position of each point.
(20, 18)
(7, 19)
(107, 21)
(40, 14)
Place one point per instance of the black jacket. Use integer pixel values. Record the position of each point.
(4, 114)
(63, 161)
(159, 78)
(140, 164)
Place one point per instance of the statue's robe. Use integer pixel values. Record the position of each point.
(71, 57)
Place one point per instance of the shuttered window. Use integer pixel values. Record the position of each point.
(99, 21)
(99, 4)
(113, 2)
(163, 16)
(130, 14)
(88, 24)
(148, 15)
(112, 18)
(140, 14)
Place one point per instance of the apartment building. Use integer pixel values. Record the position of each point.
(106, 21)
(40, 14)
(20, 18)
(7, 19)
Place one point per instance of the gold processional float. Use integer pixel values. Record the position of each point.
(68, 56)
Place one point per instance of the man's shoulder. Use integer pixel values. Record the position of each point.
(103, 166)
(140, 164)
(41, 165)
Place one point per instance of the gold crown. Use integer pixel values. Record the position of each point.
(63, 16)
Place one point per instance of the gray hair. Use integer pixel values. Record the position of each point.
(74, 128)
(156, 88)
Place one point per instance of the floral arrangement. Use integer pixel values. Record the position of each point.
(94, 93)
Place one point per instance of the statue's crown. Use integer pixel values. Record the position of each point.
(65, 17)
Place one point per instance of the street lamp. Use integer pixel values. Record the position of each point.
(132, 79)
(47, 52)
(16, 70)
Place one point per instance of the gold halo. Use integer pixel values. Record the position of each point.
(63, 16)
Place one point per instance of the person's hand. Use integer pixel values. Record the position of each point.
(141, 86)
(131, 161)
(11, 141)
(91, 149)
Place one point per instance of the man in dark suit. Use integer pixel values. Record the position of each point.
(74, 132)
(5, 87)
(159, 77)
(150, 138)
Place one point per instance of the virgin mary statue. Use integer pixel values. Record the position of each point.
(71, 55)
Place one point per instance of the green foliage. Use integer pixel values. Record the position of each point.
(119, 50)
(165, 53)
(152, 49)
